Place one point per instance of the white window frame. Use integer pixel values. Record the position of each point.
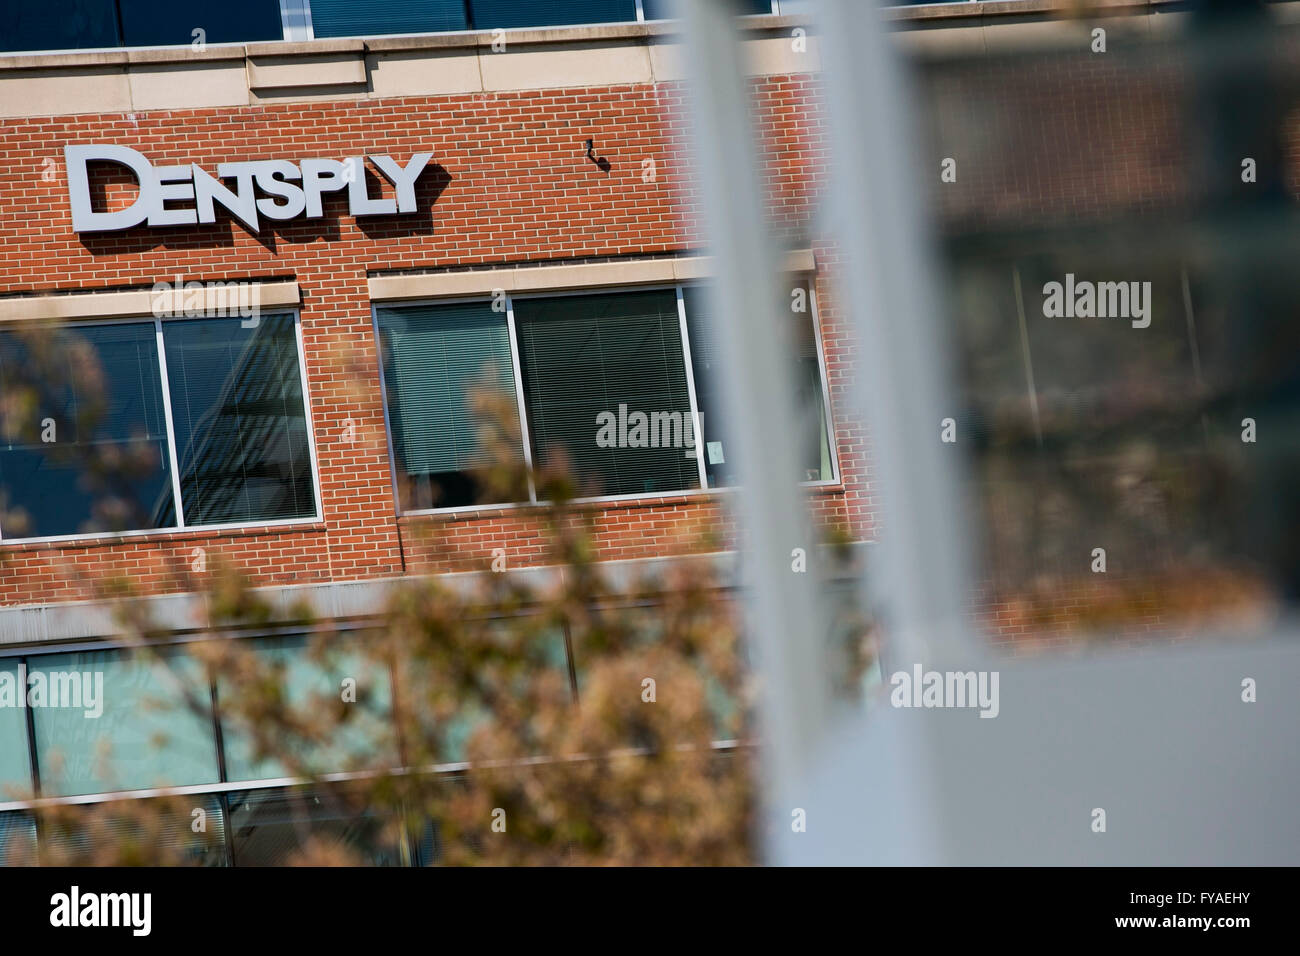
(704, 489)
(181, 528)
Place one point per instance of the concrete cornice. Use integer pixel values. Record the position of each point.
(77, 621)
(546, 278)
(177, 78)
(126, 303)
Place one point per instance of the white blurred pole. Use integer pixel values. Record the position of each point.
(783, 614)
(919, 573)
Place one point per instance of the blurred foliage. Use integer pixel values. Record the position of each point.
(603, 776)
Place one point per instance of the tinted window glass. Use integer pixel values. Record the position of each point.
(241, 428)
(15, 763)
(84, 443)
(128, 729)
(605, 380)
(351, 18)
(58, 25)
(168, 23)
(435, 357)
(489, 14)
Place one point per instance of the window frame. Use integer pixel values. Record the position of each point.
(704, 489)
(181, 528)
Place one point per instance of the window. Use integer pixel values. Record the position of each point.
(86, 447)
(168, 23)
(241, 428)
(73, 839)
(707, 360)
(350, 18)
(434, 359)
(17, 838)
(85, 441)
(492, 14)
(601, 377)
(121, 722)
(362, 741)
(342, 18)
(15, 763)
(89, 24)
(268, 827)
(662, 9)
(617, 355)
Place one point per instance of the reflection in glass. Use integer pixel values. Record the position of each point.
(434, 359)
(268, 827)
(145, 736)
(241, 427)
(363, 740)
(90, 453)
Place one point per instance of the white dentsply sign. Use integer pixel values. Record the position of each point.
(188, 195)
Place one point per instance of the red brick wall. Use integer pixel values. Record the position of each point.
(509, 183)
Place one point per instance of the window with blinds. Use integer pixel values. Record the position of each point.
(91, 441)
(604, 379)
(663, 9)
(241, 425)
(435, 357)
(351, 18)
(493, 14)
(707, 360)
(343, 18)
(587, 359)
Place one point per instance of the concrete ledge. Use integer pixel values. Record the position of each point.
(124, 81)
(584, 275)
(188, 85)
(131, 302)
(559, 65)
(345, 68)
(93, 621)
(51, 91)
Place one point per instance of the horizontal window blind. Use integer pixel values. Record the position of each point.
(15, 763)
(435, 358)
(241, 427)
(127, 731)
(707, 360)
(586, 356)
(351, 18)
(663, 9)
(491, 14)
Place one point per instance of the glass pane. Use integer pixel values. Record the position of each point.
(270, 826)
(17, 839)
(629, 632)
(167, 23)
(15, 763)
(707, 359)
(360, 739)
(154, 832)
(358, 18)
(542, 647)
(605, 380)
(435, 357)
(662, 9)
(113, 721)
(241, 429)
(490, 14)
(58, 25)
(84, 445)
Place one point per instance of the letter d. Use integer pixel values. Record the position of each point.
(84, 218)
